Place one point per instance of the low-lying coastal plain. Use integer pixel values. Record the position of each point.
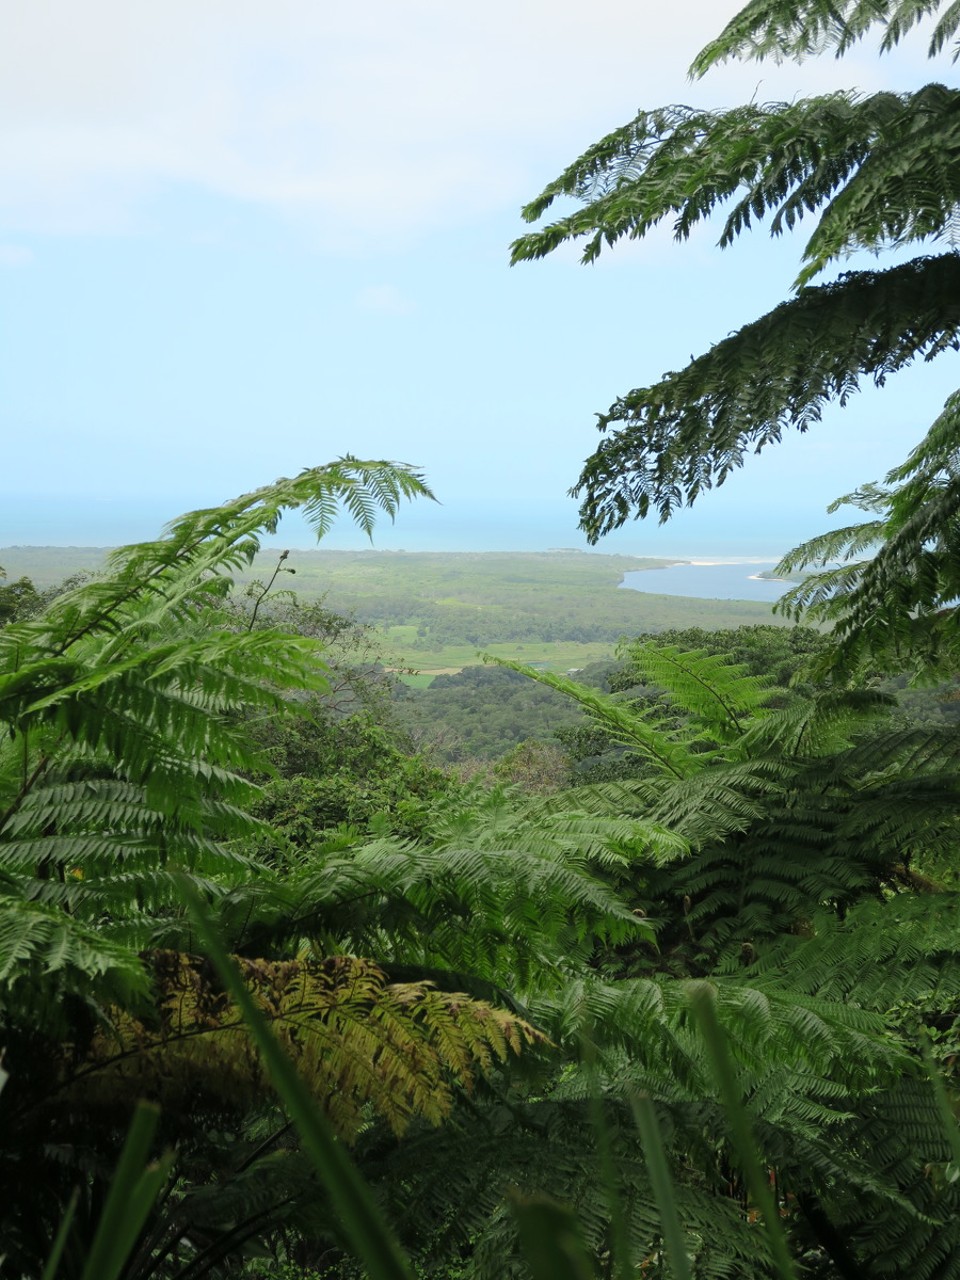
(433, 611)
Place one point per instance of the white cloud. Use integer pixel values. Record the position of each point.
(364, 120)
(383, 299)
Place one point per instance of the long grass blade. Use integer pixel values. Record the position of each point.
(950, 1130)
(368, 1234)
(619, 1225)
(551, 1240)
(60, 1239)
(133, 1190)
(662, 1184)
(725, 1076)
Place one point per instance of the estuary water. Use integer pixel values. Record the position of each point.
(704, 581)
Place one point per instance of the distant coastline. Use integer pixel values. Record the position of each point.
(712, 579)
(435, 611)
(703, 577)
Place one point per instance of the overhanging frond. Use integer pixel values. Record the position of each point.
(687, 433)
(799, 28)
(876, 171)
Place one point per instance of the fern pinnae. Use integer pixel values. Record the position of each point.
(708, 686)
(624, 726)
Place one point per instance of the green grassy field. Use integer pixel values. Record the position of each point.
(435, 610)
(551, 656)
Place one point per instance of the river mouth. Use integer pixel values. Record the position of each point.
(710, 580)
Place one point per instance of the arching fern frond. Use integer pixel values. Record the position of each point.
(513, 909)
(358, 1041)
(897, 609)
(193, 562)
(46, 955)
(716, 693)
(817, 802)
(798, 28)
(899, 955)
(548, 827)
(876, 171)
(121, 692)
(688, 432)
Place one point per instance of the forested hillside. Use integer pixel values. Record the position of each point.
(538, 979)
(668, 986)
(481, 715)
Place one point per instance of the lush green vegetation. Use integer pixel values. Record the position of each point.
(434, 611)
(482, 713)
(482, 988)
(140, 709)
(693, 1014)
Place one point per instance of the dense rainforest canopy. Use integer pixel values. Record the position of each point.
(484, 989)
(694, 1014)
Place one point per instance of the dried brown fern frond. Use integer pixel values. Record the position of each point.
(361, 1043)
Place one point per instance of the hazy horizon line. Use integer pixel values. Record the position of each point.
(691, 558)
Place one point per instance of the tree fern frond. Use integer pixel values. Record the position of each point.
(905, 191)
(86, 828)
(798, 28)
(358, 1041)
(648, 1020)
(821, 727)
(445, 1203)
(878, 957)
(708, 686)
(119, 698)
(880, 171)
(506, 913)
(195, 558)
(665, 751)
(551, 827)
(897, 609)
(690, 431)
(42, 947)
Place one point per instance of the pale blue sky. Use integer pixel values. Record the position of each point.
(237, 239)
